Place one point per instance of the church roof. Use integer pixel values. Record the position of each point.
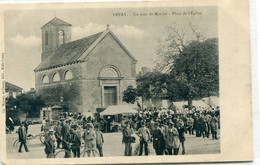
(68, 53)
(57, 21)
(76, 51)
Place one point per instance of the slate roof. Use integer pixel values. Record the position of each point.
(9, 87)
(68, 53)
(57, 21)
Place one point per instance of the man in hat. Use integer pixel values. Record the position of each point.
(89, 137)
(208, 119)
(181, 129)
(99, 140)
(64, 131)
(214, 127)
(74, 140)
(151, 126)
(145, 136)
(57, 130)
(196, 125)
(22, 134)
(127, 132)
(49, 143)
(189, 124)
(158, 140)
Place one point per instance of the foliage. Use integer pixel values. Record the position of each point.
(69, 91)
(25, 103)
(195, 71)
(151, 85)
(130, 95)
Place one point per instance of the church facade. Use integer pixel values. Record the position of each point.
(85, 74)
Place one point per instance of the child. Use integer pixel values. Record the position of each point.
(99, 140)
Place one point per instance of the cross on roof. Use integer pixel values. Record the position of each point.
(107, 26)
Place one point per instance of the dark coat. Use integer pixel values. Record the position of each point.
(64, 130)
(74, 138)
(214, 124)
(127, 132)
(158, 140)
(22, 134)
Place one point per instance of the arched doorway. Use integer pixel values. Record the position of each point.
(110, 77)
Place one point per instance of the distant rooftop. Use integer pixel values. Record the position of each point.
(9, 87)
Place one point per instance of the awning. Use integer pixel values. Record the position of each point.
(211, 101)
(196, 103)
(119, 109)
(56, 107)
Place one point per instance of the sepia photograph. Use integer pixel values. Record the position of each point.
(102, 82)
(113, 83)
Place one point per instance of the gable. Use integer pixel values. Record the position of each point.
(108, 53)
(109, 34)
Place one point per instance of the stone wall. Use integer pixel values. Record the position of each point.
(70, 90)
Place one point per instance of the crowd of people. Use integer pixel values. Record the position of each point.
(164, 128)
(71, 135)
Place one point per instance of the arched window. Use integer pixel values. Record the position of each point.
(68, 75)
(109, 72)
(56, 77)
(61, 37)
(46, 38)
(45, 79)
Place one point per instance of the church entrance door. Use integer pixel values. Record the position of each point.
(110, 94)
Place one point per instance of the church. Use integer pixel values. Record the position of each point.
(82, 75)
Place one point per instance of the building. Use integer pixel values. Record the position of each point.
(12, 90)
(85, 74)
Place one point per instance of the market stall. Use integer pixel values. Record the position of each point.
(113, 115)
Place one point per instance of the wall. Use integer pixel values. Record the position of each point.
(68, 89)
(107, 52)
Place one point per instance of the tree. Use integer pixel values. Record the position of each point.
(176, 39)
(150, 85)
(195, 71)
(25, 103)
(190, 63)
(130, 95)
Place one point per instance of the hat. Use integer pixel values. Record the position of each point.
(171, 123)
(89, 125)
(51, 130)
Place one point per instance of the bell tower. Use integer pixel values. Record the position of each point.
(54, 33)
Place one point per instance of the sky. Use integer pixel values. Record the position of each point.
(139, 33)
